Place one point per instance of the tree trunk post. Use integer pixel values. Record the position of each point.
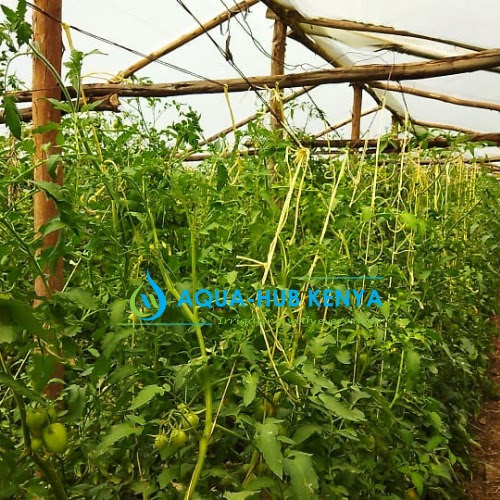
(356, 112)
(48, 38)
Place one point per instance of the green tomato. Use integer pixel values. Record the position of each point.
(178, 438)
(190, 421)
(36, 444)
(55, 438)
(412, 493)
(161, 441)
(35, 420)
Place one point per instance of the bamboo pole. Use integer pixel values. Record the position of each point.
(47, 36)
(435, 95)
(357, 74)
(356, 112)
(188, 37)
(337, 125)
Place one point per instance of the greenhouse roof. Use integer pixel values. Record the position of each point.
(320, 34)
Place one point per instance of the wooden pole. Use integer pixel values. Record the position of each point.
(472, 136)
(357, 74)
(47, 36)
(327, 146)
(435, 95)
(277, 68)
(356, 112)
(341, 24)
(444, 126)
(188, 37)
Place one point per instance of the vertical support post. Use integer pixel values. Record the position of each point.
(48, 38)
(277, 67)
(356, 112)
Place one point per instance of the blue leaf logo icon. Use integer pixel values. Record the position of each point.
(149, 301)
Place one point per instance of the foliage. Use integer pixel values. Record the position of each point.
(15, 32)
(306, 402)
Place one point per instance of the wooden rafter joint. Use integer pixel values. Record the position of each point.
(270, 14)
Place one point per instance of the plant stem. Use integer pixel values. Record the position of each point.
(45, 466)
(207, 430)
(400, 375)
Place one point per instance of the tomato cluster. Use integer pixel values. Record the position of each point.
(44, 429)
(189, 422)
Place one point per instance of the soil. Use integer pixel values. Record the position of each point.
(486, 482)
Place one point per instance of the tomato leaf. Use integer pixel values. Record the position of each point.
(145, 395)
(18, 387)
(250, 380)
(12, 116)
(269, 446)
(339, 409)
(299, 466)
(117, 432)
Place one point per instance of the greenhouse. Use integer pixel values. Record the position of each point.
(249, 249)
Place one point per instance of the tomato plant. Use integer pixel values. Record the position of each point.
(291, 403)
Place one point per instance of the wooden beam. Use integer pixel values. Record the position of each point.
(444, 126)
(356, 112)
(48, 37)
(395, 45)
(491, 137)
(341, 24)
(358, 74)
(336, 126)
(435, 95)
(188, 37)
(338, 145)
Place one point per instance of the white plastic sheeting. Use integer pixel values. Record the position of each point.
(149, 24)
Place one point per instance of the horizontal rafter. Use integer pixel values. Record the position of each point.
(436, 96)
(340, 24)
(365, 73)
